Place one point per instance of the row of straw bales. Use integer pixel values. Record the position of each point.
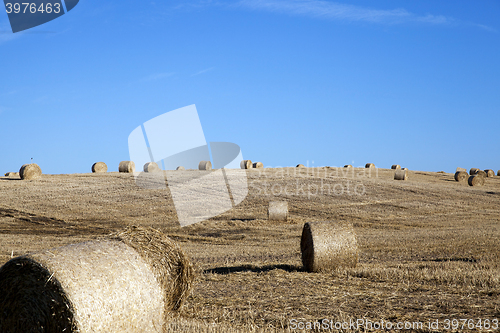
(475, 176)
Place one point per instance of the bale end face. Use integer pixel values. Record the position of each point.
(99, 167)
(278, 211)
(401, 175)
(489, 173)
(396, 167)
(30, 171)
(205, 165)
(246, 164)
(476, 180)
(126, 166)
(326, 246)
(461, 176)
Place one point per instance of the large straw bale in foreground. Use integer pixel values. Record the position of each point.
(30, 171)
(128, 282)
(151, 167)
(326, 246)
(126, 166)
(278, 211)
(461, 176)
(401, 175)
(476, 180)
(246, 164)
(99, 167)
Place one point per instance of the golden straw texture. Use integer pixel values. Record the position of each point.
(278, 211)
(30, 171)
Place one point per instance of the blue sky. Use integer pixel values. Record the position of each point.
(415, 83)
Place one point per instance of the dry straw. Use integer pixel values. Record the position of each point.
(396, 167)
(489, 173)
(300, 166)
(473, 171)
(128, 282)
(180, 168)
(258, 165)
(460, 169)
(461, 176)
(278, 211)
(126, 166)
(370, 165)
(151, 167)
(99, 167)
(205, 165)
(30, 171)
(246, 164)
(401, 175)
(326, 246)
(476, 180)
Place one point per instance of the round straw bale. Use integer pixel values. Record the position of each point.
(401, 175)
(481, 173)
(12, 174)
(370, 165)
(498, 173)
(205, 165)
(99, 167)
(180, 168)
(326, 246)
(151, 167)
(460, 169)
(246, 164)
(461, 176)
(396, 167)
(347, 166)
(30, 171)
(489, 173)
(476, 180)
(257, 165)
(128, 282)
(126, 166)
(473, 171)
(300, 166)
(404, 168)
(278, 211)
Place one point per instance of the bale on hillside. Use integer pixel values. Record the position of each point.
(126, 166)
(246, 164)
(326, 246)
(205, 165)
(481, 173)
(12, 174)
(473, 171)
(498, 173)
(404, 168)
(151, 167)
(476, 180)
(131, 281)
(460, 169)
(347, 166)
(257, 165)
(180, 168)
(489, 173)
(370, 165)
(396, 167)
(99, 167)
(30, 171)
(401, 175)
(461, 176)
(300, 166)
(278, 211)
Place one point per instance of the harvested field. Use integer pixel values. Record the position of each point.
(428, 246)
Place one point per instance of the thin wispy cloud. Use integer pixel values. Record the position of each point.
(342, 12)
(203, 71)
(156, 76)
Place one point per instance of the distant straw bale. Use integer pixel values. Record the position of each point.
(131, 281)
(498, 173)
(278, 211)
(347, 166)
(246, 164)
(396, 167)
(460, 169)
(489, 173)
(481, 173)
(151, 167)
(370, 165)
(300, 166)
(126, 166)
(401, 175)
(205, 165)
(258, 165)
(476, 180)
(473, 171)
(180, 168)
(461, 176)
(326, 246)
(12, 174)
(30, 171)
(99, 167)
